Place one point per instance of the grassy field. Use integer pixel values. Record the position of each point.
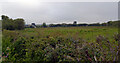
(87, 33)
(61, 44)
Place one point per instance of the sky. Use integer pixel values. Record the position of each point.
(60, 11)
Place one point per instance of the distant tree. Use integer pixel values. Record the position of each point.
(95, 24)
(4, 17)
(58, 25)
(7, 23)
(19, 24)
(51, 25)
(75, 22)
(69, 25)
(82, 24)
(104, 24)
(113, 23)
(11, 24)
(44, 25)
(109, 23)
(64, 24)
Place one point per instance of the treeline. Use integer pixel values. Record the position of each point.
(12, 24)
(109, 23)
(19, 24)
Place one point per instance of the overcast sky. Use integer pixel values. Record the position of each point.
(60, 12)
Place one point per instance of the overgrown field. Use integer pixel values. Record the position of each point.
(61, 44)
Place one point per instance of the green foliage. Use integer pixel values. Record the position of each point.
(19, 24)
(44, 25)
(10, 24)
(4, 17)
(113, 23)
(61, 44)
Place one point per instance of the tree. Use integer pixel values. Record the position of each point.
(19, 24)
(109, 23)
(4, 17)
(10, 24)
(64, 24)
(94, 24)
(84, 24)
(51, 25)
(44, 25)
(7, 23)
(75, 22)
(104, 24)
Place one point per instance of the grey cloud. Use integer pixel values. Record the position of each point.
(59, 12)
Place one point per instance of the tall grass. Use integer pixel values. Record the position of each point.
(61, 44)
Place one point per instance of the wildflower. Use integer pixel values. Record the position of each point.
(3, 53)
(6, 56)
(89, 59)
(89, 43)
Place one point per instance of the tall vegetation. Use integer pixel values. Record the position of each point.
(12, 24)
(61, 44)
(44, 25)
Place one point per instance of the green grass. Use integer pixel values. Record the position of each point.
(88, 33)
(65, 40)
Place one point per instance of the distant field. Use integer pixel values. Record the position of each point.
(88, 33)
(61, 44)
